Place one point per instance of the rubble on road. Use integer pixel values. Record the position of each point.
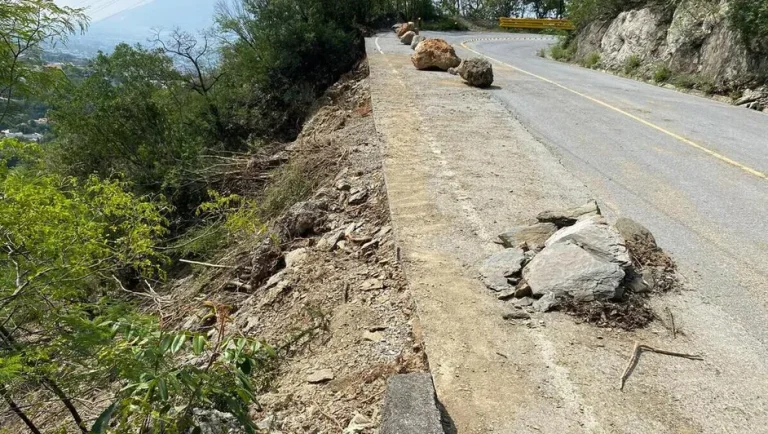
(573, 260)
(407, 38)
(477, 72)
(435, 54)
(416, 41)
(405, 28)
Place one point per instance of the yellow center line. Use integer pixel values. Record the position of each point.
(676, 136)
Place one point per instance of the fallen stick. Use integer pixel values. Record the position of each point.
(206, 264)
(639, 348)
(672, 322)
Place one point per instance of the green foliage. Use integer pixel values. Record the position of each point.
(631, 64)
(136, 116)
(24, 26)
(291, 184)
(750, 19)
(443, 24)
(564, 50)
(684, 81)
(583, 12)
(662, 74)
(161, 390)
(591, 60)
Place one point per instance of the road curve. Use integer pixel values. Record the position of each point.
(464, 164)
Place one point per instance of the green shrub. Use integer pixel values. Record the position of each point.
(443, 24)
(684, 81)
(662, 74)
(631, 64)
(750, 19)
(591, 60)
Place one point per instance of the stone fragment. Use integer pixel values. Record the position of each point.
(372, 285)
(320, 376)
(596, 236)
(358, 196)
(533, 236)
(407, 38)
(373, 336)
(642, 282)
(499, 266)
(546, 303)
(523, 302)
(304, 218)
(565, 268)
(568, 217)
(416, 41)
(516, 314)
(295, 257)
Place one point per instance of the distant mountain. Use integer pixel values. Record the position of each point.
(135, 25)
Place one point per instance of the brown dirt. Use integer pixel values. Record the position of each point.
(326, 311)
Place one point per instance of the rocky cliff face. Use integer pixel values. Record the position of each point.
(693, 38)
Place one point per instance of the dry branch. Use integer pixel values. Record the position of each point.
(639, 348)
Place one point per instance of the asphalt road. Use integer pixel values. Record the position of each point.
(464, 164)
(690, 168)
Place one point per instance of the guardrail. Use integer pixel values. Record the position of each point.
(531, 23)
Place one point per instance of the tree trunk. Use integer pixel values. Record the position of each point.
(17, 410)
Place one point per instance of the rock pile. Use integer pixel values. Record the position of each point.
(574, 256)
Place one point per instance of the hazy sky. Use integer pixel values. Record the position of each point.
(98, 9)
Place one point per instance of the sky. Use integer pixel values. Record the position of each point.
(100, 9)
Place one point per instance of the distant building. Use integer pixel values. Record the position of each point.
(34, 137)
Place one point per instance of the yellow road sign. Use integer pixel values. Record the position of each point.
(531, 23)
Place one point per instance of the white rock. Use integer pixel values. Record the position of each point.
(594, 235)
(565, 268)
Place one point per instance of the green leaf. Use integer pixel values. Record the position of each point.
(102, 422)
(162, 387)
(178, 342)
(198, 344)
(165, 343)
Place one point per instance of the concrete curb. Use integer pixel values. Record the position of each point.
(410, 406)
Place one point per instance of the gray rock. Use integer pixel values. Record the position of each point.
(523, 302)
(407, 38)
(320, 376)
(453, 71)
(568, 217)
(546, 303)
(631, 230)
(295, 257)
(499, 266)
(533, 236)
(594, 235)
(516, 314)
(477, 72)
(506, 294)
(410, 406)
(642, 282)
(371, 285)
(358, 196)
(565, 268)
(215, 422)
(416, 40)
(304, 218)
(358, 424)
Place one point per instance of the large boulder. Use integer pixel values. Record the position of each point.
(435, 54)
(499, 266)
(565, 268)
(405, 28)
(477, 72)
(407, 38)
(531, 237)
(596, 236)
(416, 41)
(570, 216)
